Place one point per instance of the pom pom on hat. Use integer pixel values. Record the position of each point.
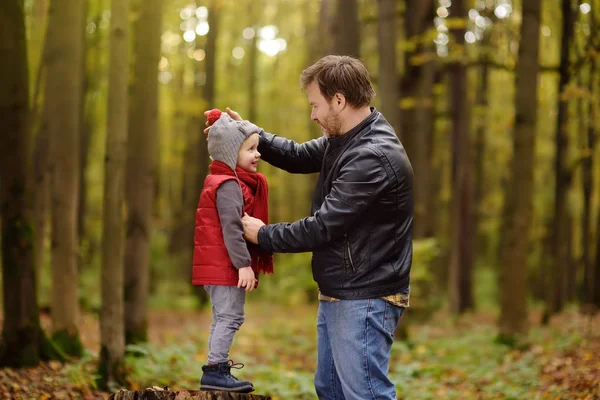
(213, 116)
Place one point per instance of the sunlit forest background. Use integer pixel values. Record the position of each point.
(103, 157)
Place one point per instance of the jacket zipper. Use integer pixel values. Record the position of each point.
(349, 252)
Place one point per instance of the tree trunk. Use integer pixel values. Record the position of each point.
(63, 94)
(418, 18)
(558, 260)
(112, 331)
(388, 74)
(160, 394)
(23, 342)
(416, 92)
(252, 58)
(590, 286)
(41, 157)
(141, 168)
(517, 213)
(347, 35)
(481, 123)
(462, 232)
(85, 129)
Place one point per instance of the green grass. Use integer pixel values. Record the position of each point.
(448, 358)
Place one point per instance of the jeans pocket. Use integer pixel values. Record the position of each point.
(391, 317)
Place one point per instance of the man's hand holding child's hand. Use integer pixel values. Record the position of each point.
(246, 279)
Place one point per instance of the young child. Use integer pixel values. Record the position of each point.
(224, 262)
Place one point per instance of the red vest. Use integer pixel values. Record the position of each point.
(212, 265)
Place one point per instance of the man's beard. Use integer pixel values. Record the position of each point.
(331, 125)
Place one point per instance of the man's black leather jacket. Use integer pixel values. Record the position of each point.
(360, 231)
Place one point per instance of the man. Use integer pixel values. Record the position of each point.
(360, 230)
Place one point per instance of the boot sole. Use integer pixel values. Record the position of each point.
(243, 389)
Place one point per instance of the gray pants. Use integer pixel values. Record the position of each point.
(228, 315)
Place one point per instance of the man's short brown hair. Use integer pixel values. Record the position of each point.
(341, 74)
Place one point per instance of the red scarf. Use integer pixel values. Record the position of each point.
(262, 261)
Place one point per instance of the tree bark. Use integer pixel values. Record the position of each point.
(141, 168)
(555, 293)
(23, 342)
(590, 285)
(158, 394)
(416, 92)
(347, 36)
(517, 213)
(112, 331)
(63, 94)
(388, 74)
(462, 232)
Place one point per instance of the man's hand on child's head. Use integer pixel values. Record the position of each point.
(234, 115)
(246, 279)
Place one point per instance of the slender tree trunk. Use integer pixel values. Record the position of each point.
(388, 74)
(253, 61)
(23, 342)
(41, 156)
(588, 178)
(112, 331)
(211, 52)
(141, 168)
(557, 271)
(461, 263)
(347, 35)
(481, 124)
(518, 205)
(63, 94)
(418, 18)
(85, 130)
(416, 115)
(423, 155)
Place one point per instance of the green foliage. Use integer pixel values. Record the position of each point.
(424, 295)
(69, 343)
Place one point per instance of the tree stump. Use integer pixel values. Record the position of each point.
(156, 393)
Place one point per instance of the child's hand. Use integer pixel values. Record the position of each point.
(246, 279)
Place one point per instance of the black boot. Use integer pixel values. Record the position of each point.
(218, 377)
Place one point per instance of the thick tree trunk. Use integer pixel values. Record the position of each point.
(141, 168)
(23, 342)
(158, 394)
(558, 260)
(462, 232)
(518, 205)
(388, 74)
(112, 331)
(63, 94)
(347, 35)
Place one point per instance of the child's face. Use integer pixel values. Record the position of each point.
(248, 155)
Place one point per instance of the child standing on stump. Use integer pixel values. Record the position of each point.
(224, 262)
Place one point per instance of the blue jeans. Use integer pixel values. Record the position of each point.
(354, 346)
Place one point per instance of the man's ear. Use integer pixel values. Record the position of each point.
(339, 100)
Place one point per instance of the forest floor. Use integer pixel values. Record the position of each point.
(445, 358)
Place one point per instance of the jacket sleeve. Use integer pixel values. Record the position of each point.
(360, 183)
(290, 156)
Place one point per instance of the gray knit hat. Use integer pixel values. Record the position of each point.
(225, 138)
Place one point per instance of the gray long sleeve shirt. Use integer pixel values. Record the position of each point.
(230, 206)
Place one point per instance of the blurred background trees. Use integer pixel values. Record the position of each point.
(496, 102)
